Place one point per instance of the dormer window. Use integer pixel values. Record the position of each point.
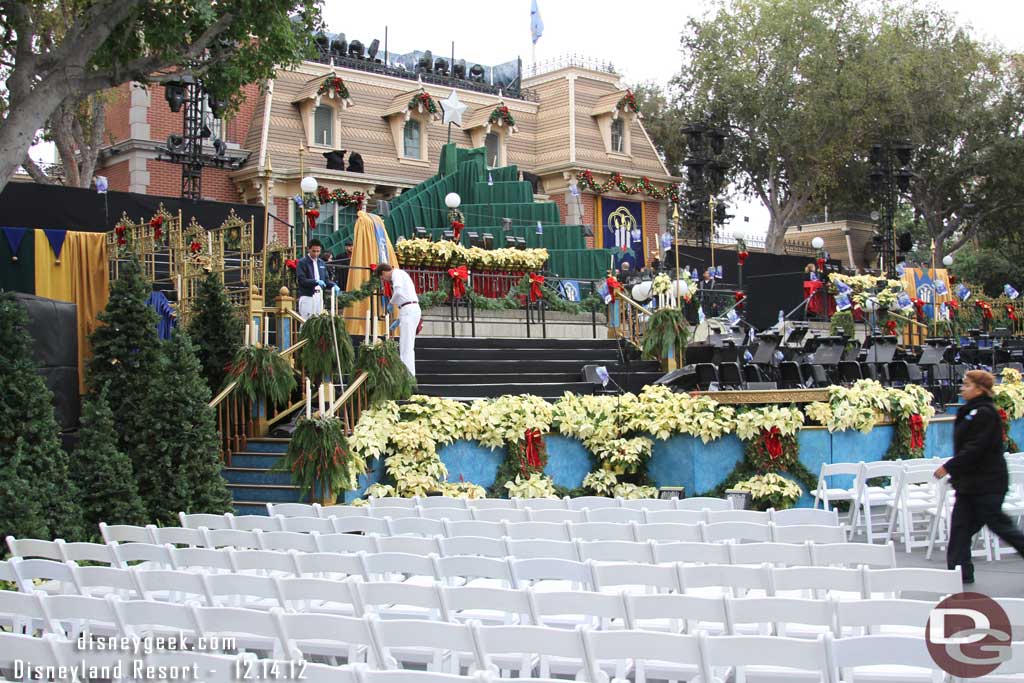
(323, 125)
(614, 114)
(618, 136)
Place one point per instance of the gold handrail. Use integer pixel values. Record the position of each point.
(632, 335)
(285, 413)
(357, 382)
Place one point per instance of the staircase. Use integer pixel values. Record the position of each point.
(467, 368)
(251, 483)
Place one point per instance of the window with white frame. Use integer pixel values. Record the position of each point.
(411, 135)
(492, 143)
(618, 136)
(323, 126)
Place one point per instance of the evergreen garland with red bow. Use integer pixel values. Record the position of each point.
(339, 196)
(585, 181)
(908, 438)
(335, 85)
(769, 451)
(536, 282)
(502, 114)
(459, 277)
(423, 99)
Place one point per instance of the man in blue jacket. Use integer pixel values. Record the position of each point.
(314, 281)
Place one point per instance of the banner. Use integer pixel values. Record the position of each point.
(622, 230)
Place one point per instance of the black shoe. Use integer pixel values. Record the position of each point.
(967, 580)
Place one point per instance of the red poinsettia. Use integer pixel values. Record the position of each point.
(740, 297)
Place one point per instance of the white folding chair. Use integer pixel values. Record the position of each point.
(143, 556)
(691, 552)
(393, 512)
(242, 590)
(592, 502)
(23, 612)
(442, 513)
(441, 647)
(78, 617)
(636, 578)
(392, 501)
(870, 497)
(335, 566)
(98, 581)
(488, 605)
(27, 548)
(363, 525)
(552, 574)
(203, 560)
(126, 533)
(668, 656)
(178, 536)
(557, 516)
(397, 600)
(445, 502)
(410, 545)
(284, 541)
(522, 648)
(329, 511)
(325, 596)
(534, 548)
(255, 523)
(242, 629)
(415, 526)
(760, 658)
(552, 531)
(304, 525)
(17, 649)
(309, 634)
(892, 583)
(399, 567)
(474, 570)
(55, 577)
(651, 504)
(751, 516)
(601, 531)
(98, 553)
(829, 491)
(473, 545)
(892, 659)
(736, 581)
(704, 504)
(914, 507)
(616, 515)
(776, 554)
(233, 538)
(805, 516)
(789, 617)
(818, 582)
(541, 503)
(813, 533)
(142, 618)
(202, 519)
(675, 613)
(477, 528)
(264, 563)
(615, 551)
(882, 617)
(500, 514)
(854, 555)
(568, 609)
(172, 586)
(490, 503)
(293, 509)
(737, 531)
(672, 516)
(348, 543)
(670, 532)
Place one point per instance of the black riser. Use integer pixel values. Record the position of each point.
(489, 390)
(501, 343)
(486, 367)
(499, 378)
(580, 356)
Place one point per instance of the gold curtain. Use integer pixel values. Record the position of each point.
(86, 255)
(53, 276)
(366, 250)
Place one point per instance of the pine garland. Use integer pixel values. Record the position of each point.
(756, 460)
(317, 356)
(319, 458)
(511, 301)
(841, 324)
(387, 377)
(667, 331)
(899, 447)
(261, 372)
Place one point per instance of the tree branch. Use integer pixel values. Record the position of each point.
(35, 172)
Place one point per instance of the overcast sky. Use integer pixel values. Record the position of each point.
(641, 40)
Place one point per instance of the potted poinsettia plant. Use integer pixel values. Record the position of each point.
(769, 490)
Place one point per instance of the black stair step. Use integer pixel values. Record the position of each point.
(506, 343)
(470, 391)
(580, 356)
(497, 378)
(487, 367)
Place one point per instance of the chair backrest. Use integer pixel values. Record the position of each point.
(647, 646)
(675, 516)
(100, 580)
(394, 634)
(602, 531)
(892, 582)
(242, 590)
(348, 543)
(774, 614)
(386, 597)
(176, 535)
(412, 545)
(33, 547)
(303, 631)
(542, 548)
(802, 579)
(480, 528)
(416, 526)
(16, 605)
(178, 586)
(854, 554)
(100, 553)
(469, 567)
(540, 503)
(513, 603)
(387, 502)
(670, 532)
(264, 562)
(832, 469)
(441, 502)
(649, 504)
(870, 617)
(440, 513)
(704, 504)
(651, 607)
(778, 554)
(615, 551)
(205, 559)
(565, 644)
(739, 531)
(216, 668)
(143, 555)
(891, 650)
(126, 533)
(331, 565)
(329, 511)
(292, 509)
(16, 649)
(774, 651)
(490, 503)
(256, 522)
(383, 565)
(802, 516)
(502, 513)
(139, 617)
(814, 533)
(203, 519)
(306, 594)
(592, 502)
(752, 516)
(385, 511)
(304, 525)
(529, 571)
(557, 515)
(552, 531)
(692, 552)
(616, 515)
(365, 525)
(653, 577)
(603, 606)
(69, 615)
(738, 579)
(291, 540)
(473, 545)
(233, 538)
(227, 625)
(28, 571)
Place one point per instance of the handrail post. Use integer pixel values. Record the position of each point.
(284, 303)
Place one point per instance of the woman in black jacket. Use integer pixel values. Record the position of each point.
(978, 472)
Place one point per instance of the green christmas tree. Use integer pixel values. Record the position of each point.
(216, 330)
(102, 472)
(178, 435)
(38, 498)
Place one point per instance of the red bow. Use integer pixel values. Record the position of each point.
(292, 263)
(772, 439)
(740, 297)
(821, 264)
(535, 282)
(195, 247)
(459, 277)
(916, 432)
(986, 309)
(373, 267)
(954, 305)
(1003, 419)
(533, 444)
(890, 325)
(119, 229)
(613, 284)
(311, 216)
(457, 227)
(156, 221)
(918, 307)
(741, 257)
(1011, 312)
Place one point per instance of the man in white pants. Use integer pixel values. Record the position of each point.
(405, 299)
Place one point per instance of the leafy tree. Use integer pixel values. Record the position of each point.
(51, 52)
(216, 329)
(990, 266)
(102, 472)
(77, 130)
(38, 498)
(789, 78)
(176, 430)
(662, 121)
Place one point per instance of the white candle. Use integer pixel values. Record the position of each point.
(309, 400)
(330, 392)
(375, 323)
(334, 303)
(320, 397)
(366, 330)
(266, 330)
(179, 289)
(387, 325)
(209, 242)
(245, 339)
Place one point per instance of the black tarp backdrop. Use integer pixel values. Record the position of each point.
(31, 205)
(770, 281)
(52, 327)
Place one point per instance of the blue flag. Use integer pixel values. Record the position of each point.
(843, 302)
(843, 287)
(940, 288)
(1009, 291)
(962, 292)
(536, 23)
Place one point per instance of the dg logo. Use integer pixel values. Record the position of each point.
(968, 635)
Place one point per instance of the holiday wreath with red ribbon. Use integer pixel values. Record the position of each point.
(459, 278)
(535, 286)
(986, 309)
(457, 227)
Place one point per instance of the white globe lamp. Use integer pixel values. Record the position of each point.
(869, 305)
(308, 184)
(817, 243)
(680, 288)
(947, 260)
(642, 291)
(452, 200)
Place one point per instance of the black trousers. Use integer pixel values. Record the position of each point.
(970, 513)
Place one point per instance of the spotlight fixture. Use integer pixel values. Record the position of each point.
(371, 52)
(339, 47)
(441, 66)
(459, 69)
(476, 73)
(355, 49)
(217, 105)
(174, 93)
(175, 143)
(425, 63)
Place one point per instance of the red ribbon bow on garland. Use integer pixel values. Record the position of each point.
(916, 432)
(953, 305)
(772, 440)
(535, 282)
(195, 247)
(156, 222)
(533, 443)
(918, 308)
(292, 263)
(613, 284)
(311, 216)
(1003, 419)
(741, 257)
(459, 277)
(821, 264)
(986, 309)
(119, 229)
(890, 326)
(1011, 312)
(457, 227)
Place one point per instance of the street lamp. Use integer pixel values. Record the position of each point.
(890, 176)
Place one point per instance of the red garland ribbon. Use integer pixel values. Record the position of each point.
(986, 309)
(311, 216)
(821, 264)
(457, 227)
(1003, 420)
(740, 297)
(954, 305)
(916, 432)
(918, 308)
(119, 229)
(741, 257)
(535, 282)
(890, 325)
(373, 267)
(459, 277)
(1011, 312)
(156, 221)
(772, 440)
(613, 284)
(533, 444)
(291, 263)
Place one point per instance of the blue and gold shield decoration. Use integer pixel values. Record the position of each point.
(622, 231)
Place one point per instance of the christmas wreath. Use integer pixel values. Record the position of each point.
(502, 116)
(334, 87)
(339, 196)
(628, 103)
(423, 102)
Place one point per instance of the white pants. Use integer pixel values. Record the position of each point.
(408, 321)
(311, 305)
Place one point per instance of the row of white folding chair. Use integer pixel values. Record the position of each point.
(552, 531)
(211, 575)
(566, 503)
(279, 558)
(586, 654)
(295, 522)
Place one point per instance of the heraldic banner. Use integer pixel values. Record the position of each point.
(622, 230)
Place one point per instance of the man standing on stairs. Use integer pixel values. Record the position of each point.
(312, 275)
(405, 299)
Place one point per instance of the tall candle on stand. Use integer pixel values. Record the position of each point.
(387, 325)
(366, 330)
(266, 330)
(245, 339)
(334, 303)
(209, 242)
(309, 400)
(320, 396)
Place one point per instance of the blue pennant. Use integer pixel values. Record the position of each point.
(14, 237)
(56, 240)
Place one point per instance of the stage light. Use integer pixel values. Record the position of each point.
(217, 105)
(308, 184)
(175, 143)
(372, 51)
(355, 49)
(425, 63)
(459, 69)
(441, 66)
(452, 200)
(174, 93)
(817, 243)
(671, 492)
(947, 260)
(339, 47)
(476, 73)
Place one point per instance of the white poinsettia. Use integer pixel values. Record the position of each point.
(379, 490)
(601, 481)
(463, 489)
(629, 491)
(537, 485)
(370, 436)
(750, 423)
(1010, 397)
(772, 487)
(503, 420)
(628, 454)
(662, 284)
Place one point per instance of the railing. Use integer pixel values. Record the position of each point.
(548, 65)
(633, 319)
